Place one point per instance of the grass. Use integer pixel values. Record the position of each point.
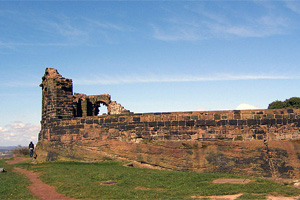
(83, 181)
(13, 185)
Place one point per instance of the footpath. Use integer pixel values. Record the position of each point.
(37, 188)
(47, 192)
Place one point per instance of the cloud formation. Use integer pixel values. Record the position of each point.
(18, 133)
(56, 30)
(201, 22)
(151, 78)
(293, 5)
(245, 106)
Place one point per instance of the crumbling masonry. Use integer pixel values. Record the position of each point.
(250, 142)
(60, 103)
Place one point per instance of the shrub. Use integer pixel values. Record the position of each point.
(24, 151)
(293, 102)
(276, 105)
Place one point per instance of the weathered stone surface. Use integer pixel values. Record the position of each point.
(250, 142)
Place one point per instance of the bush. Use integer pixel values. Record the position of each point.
(277, 105)
(293, 102)
(23, 151)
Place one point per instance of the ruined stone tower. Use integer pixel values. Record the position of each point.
(57, 96)
(59, 103)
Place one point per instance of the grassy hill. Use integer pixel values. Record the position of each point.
(111, 180)
(12, 184)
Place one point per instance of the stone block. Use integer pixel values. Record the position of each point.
(122, 119)
(278, 116)
(232, 122)
(167, 123)
(290, 111)
(174, 123)
(181, 123)
(252, 122)
(237, 112)
(107, 120)
(265, 121)
(136, 119)
(210, 122)
(270, 116)
(160, 123)
(200, 122)
(89, 121)
(217, 116)
(221, 122)
(241, 122)
(114, 119)
(152, 124)
(79, 126)
(272, 121)
(190, 123)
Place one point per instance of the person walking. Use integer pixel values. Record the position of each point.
(31, 148)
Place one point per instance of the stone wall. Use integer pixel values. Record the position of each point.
(211, 125)
(250, 142)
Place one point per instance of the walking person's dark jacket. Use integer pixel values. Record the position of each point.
(31, 145)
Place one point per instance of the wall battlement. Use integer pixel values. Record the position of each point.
(193, 141)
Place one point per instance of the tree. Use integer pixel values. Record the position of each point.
(293, 102)
(276, 105)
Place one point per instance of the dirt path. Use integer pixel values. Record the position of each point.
(223, 197)
(17, 160)
(232, 181)
(37, 188)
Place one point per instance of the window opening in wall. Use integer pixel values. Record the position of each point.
(102, 109)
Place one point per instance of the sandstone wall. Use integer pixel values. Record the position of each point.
(249, 142)
(224, 125)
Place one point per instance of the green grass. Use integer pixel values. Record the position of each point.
(13, 185)
(82, 181)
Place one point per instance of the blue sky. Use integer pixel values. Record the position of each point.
(150, 56)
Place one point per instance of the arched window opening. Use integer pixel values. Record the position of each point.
(102, 109)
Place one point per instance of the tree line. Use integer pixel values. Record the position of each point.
(293, 102)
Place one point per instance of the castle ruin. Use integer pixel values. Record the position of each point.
(251, 142)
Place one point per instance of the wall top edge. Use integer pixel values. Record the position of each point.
(189, 113)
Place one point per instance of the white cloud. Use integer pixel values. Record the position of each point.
(62, 30)
(245, 106)
(201, 109)
(60, 24)
(19, 133)
(152, 78)
(3, 130)
(177, 34)
(293, 5)
(205, 24)
(105, 25)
